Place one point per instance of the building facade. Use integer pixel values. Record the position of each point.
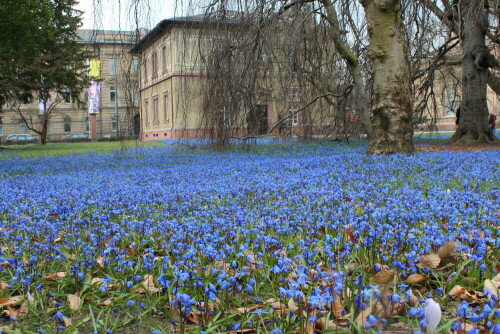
(191, 88)
(116, 70)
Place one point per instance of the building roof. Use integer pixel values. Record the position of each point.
(226, 17)
(91, 36)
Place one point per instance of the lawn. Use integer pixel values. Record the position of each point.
(292, 238)
(54, 149)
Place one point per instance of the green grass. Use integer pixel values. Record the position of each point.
(55, 149)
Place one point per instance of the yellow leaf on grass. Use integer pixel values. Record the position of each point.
(74, 301)
(429, 261)
(383, 277)
(415, 279)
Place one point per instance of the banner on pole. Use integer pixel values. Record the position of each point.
(94, 94)
(95, 69)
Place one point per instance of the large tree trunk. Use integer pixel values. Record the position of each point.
(361, 105)
(392, 131)
(473, 126)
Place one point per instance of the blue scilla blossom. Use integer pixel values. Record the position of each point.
(276, 330)
(473, 331)
(463, 309)
(456, 326)
(184, 301)
(235, 327)
(496, 329)
(58, 316)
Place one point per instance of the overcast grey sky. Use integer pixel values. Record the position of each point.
(120, 14)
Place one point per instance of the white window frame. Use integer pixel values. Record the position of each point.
(112, 65)
(165, 107)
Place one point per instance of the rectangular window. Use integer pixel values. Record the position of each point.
(155, 110)
(164, 58)
(112, 94)
(136, 65)
(294, 116)
(1, 128)
(22, 127)
(145, 70)
(154, 64)
(146, 112)
(112, 66)
(165, 107)
(113, 124)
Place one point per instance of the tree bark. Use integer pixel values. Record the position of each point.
(392, 131)
(473, 126)
(361, 105)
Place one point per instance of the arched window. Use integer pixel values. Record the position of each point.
(87, 124)
(22, 127)
(67, 124)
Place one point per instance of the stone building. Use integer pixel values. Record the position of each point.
(118, 112)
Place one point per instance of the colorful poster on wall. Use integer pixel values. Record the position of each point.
(95, 69)
(94, 96)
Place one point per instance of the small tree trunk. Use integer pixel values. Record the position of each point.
(43, 133)
(359, 93)
(473, 127)
(392, 131)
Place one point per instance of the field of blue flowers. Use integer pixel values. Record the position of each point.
(279, 239)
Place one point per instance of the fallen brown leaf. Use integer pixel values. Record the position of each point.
(429, 261)
(74, 301)
(66, 321)
(54, 276)
(415, 279)
(471, 296)
(10, 301)
(106, 302)
(493, 285)
(383, 277)
(448, 250)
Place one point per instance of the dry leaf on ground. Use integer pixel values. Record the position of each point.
(10, 301)
(415, 279)
(383, 277)
(54, 276)
(448, 250)
(493, 284)
(429, 261)
(74, 301)
(471, 296)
